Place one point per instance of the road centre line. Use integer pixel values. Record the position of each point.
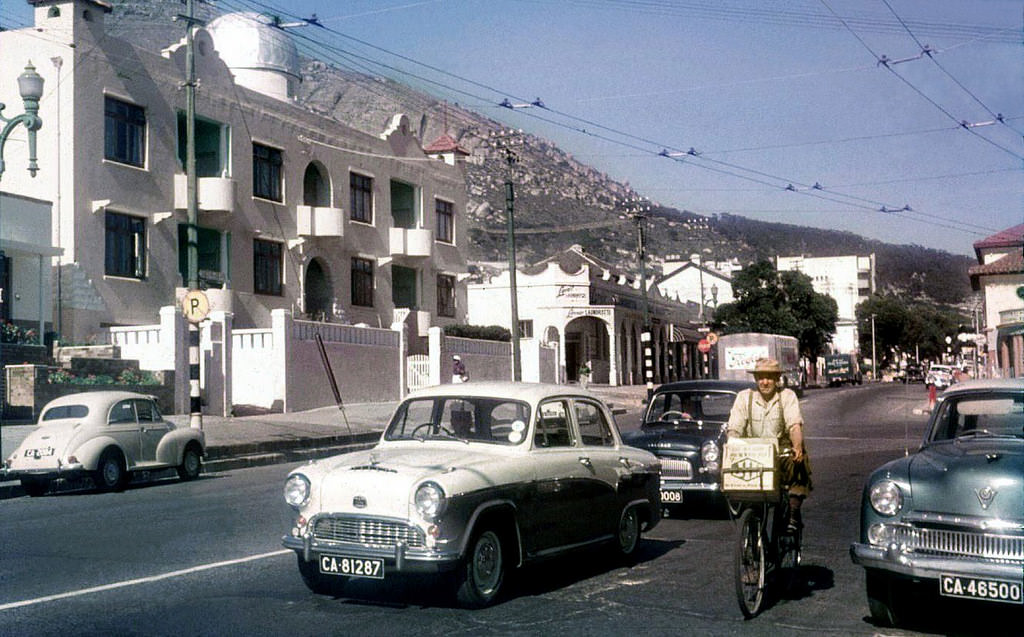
(142, 580)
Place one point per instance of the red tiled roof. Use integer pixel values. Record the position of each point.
(1003, 239)
(445, 144)
(1010, 264)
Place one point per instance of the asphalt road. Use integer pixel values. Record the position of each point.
(204, 558)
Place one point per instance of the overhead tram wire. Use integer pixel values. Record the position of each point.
(716, 10)
(884, 207)
(887, 64)
(929, 53)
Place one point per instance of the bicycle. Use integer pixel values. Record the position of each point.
(764, 548)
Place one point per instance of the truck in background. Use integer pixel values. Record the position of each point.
(737, 354)
(841, 369)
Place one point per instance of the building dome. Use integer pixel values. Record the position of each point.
(261, 55)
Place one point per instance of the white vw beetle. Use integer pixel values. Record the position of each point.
(476, 478)
(105, 435)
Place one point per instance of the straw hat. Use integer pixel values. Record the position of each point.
(766, 366)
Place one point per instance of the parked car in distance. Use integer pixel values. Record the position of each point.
(106, 435)
(948, 520)
(473, 478)
(684, 425)
(912, 373)
(939, 375)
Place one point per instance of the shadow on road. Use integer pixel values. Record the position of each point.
(535, 579)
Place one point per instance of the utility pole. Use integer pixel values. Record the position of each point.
(637, 210)
(195, 295)
(874, 358)
(504, 142)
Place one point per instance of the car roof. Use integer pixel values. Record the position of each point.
(986, 384)
(706, 385)
(94, 398)
(528, 392)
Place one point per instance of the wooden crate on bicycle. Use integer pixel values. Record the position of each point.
(748, 467)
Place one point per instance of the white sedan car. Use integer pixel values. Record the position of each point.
(105, 435)
(475, 479)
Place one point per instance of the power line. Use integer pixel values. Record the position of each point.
(886, 63)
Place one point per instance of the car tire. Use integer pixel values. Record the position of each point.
(317, 582)
(35, 488)
(627, 537)
(887, 609)
(482, 572)
(191, 463)
(110, 473)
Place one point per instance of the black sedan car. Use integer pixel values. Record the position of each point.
(684, 425)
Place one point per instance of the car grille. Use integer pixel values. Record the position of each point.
(368, 531)
(675, 468)
(965, 544)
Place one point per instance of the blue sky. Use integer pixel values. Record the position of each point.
(767, 93)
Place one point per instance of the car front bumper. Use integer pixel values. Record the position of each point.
(398, 558)
(896, 560)
(671, 484)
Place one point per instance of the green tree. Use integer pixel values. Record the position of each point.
(911, 329)
(779, 303)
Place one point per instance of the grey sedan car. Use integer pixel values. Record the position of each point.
(105, 435)
(948, 520)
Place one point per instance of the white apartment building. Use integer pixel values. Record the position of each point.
(595, 315)
(297, 211)
(847, 279)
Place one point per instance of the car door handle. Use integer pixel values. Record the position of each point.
(624, 461)
(585, 461)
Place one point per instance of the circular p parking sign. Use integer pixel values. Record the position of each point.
(195, 306)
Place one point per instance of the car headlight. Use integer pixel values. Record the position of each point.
(296, 490)
(886, 497)
(710, 454)
(430, 500)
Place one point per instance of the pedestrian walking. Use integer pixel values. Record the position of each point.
(459, 373)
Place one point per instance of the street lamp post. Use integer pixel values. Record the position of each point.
(30, 86)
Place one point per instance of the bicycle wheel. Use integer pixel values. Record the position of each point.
(750, 564)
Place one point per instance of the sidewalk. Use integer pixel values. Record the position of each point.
(276, 438)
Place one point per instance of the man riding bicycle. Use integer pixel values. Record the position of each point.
(774, 412)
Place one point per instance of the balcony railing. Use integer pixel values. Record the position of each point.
(216, 194)
(319, 221)
(411, 242)
(1011, 316)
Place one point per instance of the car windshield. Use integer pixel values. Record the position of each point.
(498, 421)
(989, 414)
(65, 411)
(669, 407)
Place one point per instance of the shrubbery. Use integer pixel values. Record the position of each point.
(11, 333)
(126, 377)
(483, 332)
